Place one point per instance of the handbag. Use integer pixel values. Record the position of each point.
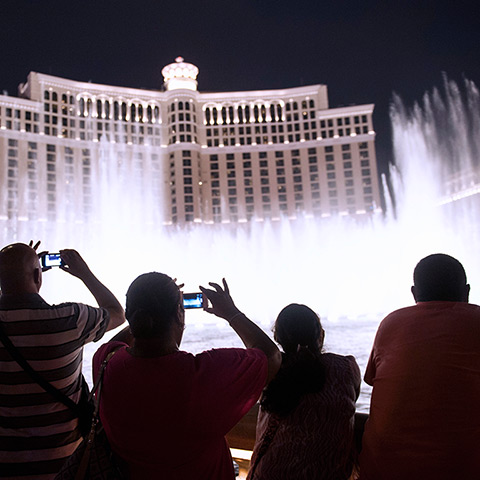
(83, 410)
(94, 459)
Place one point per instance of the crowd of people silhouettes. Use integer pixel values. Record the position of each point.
(166, 412)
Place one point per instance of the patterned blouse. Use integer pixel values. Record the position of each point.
(315, 440)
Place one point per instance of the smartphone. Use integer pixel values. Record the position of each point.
(51, 260)
(193, 300)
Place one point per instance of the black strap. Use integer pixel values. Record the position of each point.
(48, 387)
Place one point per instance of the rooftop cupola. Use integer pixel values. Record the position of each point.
(180, 75)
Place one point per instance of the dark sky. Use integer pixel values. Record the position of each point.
(363, 50)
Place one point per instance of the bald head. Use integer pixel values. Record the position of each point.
(20, 270)
(440, 277)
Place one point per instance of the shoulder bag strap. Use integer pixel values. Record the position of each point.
(271, 430)
(84, 462)
(48, 387)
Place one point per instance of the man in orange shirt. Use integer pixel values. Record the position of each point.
(425, 371)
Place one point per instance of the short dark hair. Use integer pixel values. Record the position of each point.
(439, 277)
(152, 303)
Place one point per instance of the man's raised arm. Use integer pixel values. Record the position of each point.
(74, 264)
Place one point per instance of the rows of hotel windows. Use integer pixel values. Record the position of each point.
(125, 110)
(24, 200)
(187, 180)
(60, 119)
(182, 122)
(298, 127)
(344, 126)
(24, 188)
(96, 117)
(277, 126)
(257, 112)
(272, 188)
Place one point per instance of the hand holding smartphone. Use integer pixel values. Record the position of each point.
(193, 300)
(50, 260)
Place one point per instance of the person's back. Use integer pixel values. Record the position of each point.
(37, 432)
(306, 418)
(165, 411)
(425, 372)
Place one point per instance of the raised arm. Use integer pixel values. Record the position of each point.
(74, 264)
(251, 335)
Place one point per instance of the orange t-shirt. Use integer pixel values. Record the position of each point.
(424, 415)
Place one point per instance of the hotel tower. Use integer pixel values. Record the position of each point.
(222, 157)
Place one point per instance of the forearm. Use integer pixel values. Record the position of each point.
(254, 337)
(105, 299)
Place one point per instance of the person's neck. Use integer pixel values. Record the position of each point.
(152, 347)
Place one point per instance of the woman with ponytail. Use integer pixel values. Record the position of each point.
(306, 418)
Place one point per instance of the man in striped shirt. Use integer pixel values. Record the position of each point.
(37, 433)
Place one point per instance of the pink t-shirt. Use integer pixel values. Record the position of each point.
(167, 416)
(424, 418)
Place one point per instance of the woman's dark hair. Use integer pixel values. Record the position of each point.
(299, 332)
(152, 303)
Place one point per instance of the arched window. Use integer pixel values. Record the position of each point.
(207, 115)
(272, 113)
(106, 107)
(156, 114)
(304, 104)
(215, 116)
(295, 106)
(279, 112)
(89, 107)
(180, 105)
(124, 111)
(46, 95)
(82, 107)
(116, 111)
(64, 98)
(247, 114)
(224, 115)
(132, 113)
(140, 112)
(240, 114)
(255, 113)
(231, 115)
(263, 112)
(54, 96)
(312, 104)
(187, 105)
(99, 108)
(149, 114)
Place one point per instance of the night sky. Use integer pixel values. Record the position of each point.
(363, 50)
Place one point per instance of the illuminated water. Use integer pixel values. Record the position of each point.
(350, 274)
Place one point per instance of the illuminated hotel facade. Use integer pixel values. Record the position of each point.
(222, 157)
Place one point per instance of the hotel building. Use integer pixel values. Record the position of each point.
(207, 157)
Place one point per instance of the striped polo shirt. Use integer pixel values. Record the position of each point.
(37, 433)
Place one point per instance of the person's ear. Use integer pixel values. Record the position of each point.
(467, 292)
(414, 293)
(37, 277)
